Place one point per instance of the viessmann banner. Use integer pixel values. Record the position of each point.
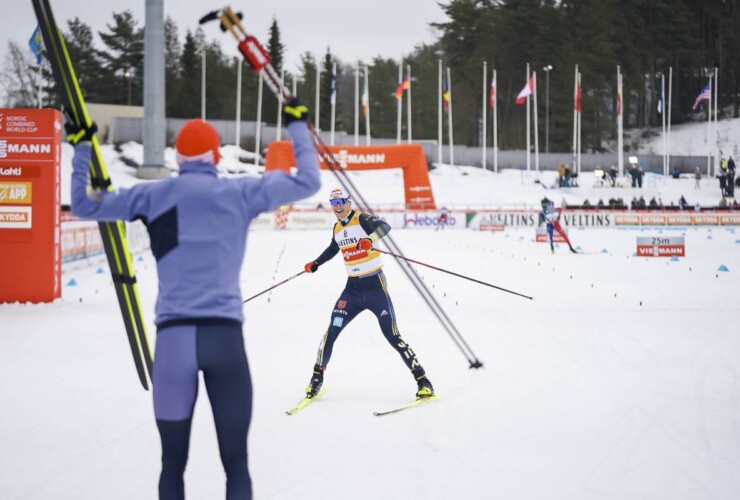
(30, 240)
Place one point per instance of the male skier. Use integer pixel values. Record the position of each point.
(354, 234)
(551, 216)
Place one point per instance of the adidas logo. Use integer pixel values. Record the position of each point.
(384, 313)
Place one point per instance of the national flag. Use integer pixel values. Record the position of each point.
(333, 97)
(35, 44)
(365, 98)
(405, 84)
(492, 94)
(704, 95)
(662, 96)
(446, 95)
(526, 91)
(619, 102)
(578, 96)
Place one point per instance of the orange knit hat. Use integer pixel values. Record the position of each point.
(197, 141)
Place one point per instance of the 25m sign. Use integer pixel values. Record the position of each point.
(657, 246)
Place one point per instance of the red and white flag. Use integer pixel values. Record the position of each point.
(526, 91)
(492, 94)
(577, 103)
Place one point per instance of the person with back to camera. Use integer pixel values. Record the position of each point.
(198, 225)
(354, 234)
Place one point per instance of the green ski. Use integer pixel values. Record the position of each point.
(305, 402)
(415, 403)
(113, 234)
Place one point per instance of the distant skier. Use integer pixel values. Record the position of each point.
(354, 235)
(198, 225)
(442, 221)
(551, 217)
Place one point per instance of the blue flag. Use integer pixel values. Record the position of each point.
(35, 44)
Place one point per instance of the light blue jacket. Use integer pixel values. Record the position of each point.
(198, 224)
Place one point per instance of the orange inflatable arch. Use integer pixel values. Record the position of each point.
(408, 157)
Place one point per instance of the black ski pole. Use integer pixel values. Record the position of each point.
(273, 286)
(453, 273)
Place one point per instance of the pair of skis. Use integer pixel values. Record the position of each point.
(113, 234)
(417, 402)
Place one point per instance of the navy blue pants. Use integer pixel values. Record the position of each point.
(360, 294)
(216, 348)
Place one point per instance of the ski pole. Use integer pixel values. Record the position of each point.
(273, 286)
(453, 273)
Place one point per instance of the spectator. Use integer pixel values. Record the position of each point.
(660, 203)
(722, 176)
(567, 176)
(586, 203)
(561, 175)
(613, 175)
(653, 204)
(697, 177)
(682, 203)
(697, 207)
(620, 203)
(672, 206)
(675, 173)
(634, 203)
(723, 203)
(633, 174)
(641, 203)
(735, 204)
(600, 203)
(640, 174)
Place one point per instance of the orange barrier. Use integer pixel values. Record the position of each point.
(30, 242)
(408, 157)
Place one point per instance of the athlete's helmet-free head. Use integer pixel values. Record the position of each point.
(338, 196)
(197, 141)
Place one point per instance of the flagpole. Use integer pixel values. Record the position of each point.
(714, 128)
(440, 138)
(357, 105)
(399, 104)
(408, 104)
(258, 132)
(620, 124)
(333, 101)
(484, 115)
(575, 116)
(38, 79)
(317, 99)
(709, 130)
(202, 85)
(279, 132)
(580, 115)
(668, 122)
(662, 119)
(495, 125)
(367, 112)
(449, 118)
(536, 132)
(238, 128)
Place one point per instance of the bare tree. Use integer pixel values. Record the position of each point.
(20, 77)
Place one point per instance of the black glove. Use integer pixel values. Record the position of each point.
(79, 133)
(294, 110)
(311, 267)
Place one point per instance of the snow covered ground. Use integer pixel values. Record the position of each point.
(620, 380)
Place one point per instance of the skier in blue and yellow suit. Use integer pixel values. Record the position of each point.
(354, 235)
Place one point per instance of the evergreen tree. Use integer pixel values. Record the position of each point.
(124, 57)
(88, 65)
(186, 98)
(172, 68)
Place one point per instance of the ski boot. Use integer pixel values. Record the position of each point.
(573, 250)
(424, 386)
(317, 379)
(552, 249)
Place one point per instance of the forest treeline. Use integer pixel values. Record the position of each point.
(644, 37)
